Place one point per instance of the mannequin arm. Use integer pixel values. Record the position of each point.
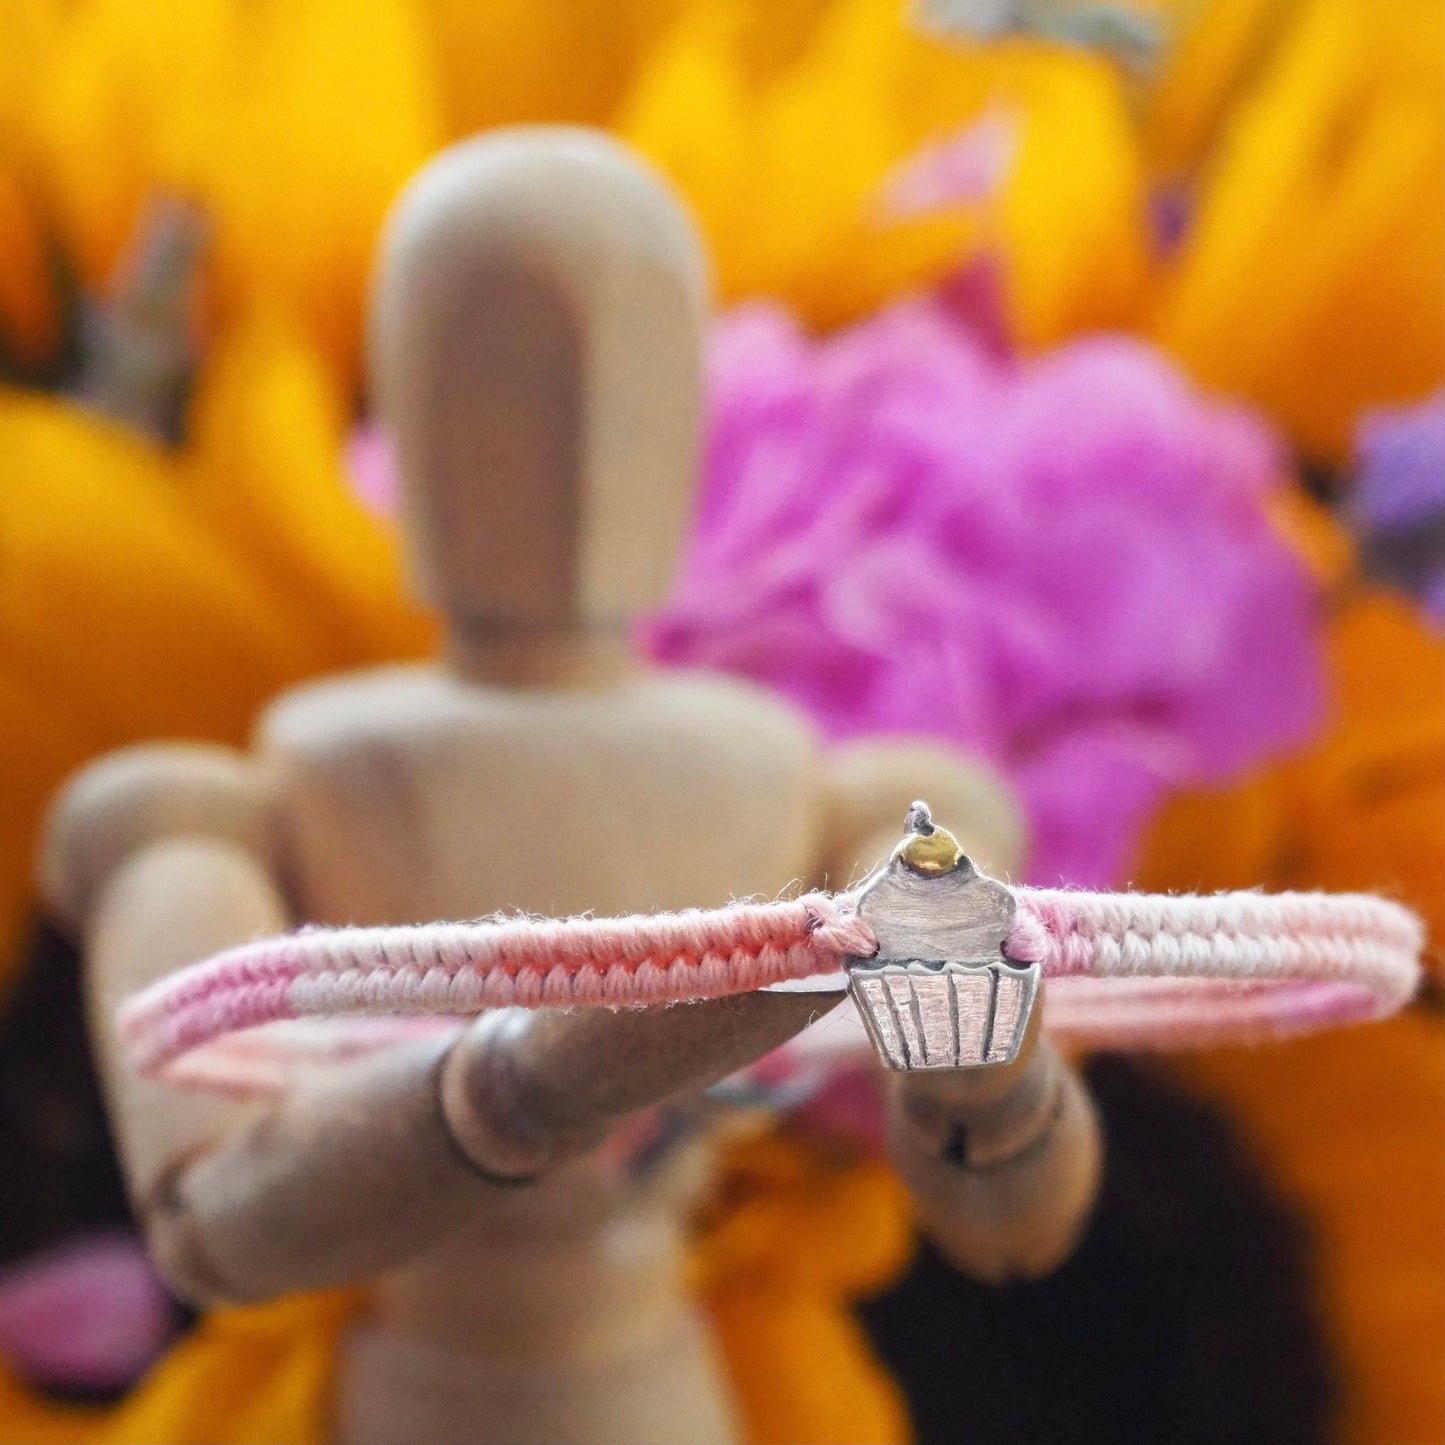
(359, 1170)
(1003, 1162)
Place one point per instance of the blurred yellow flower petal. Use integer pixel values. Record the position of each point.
(29, 30)
(783, 142)
(329, 109)
(797, 1236)
(39, 1420)
(510, 62)
(29, 307)
(691, 114)
(784, 164)
(1370, 799)
(264, 469)
(293, 121)
(1219, 47)
(114, 600)
(127, 107)
(1073, 214)
(1312, 282)
(123, 616)
(1316, 536)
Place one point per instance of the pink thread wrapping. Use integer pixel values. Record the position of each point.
(459, 969)
(1128, 970)
(1139, 970)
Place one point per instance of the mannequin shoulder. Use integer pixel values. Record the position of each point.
(382, 701)
(392, 706)
(714, 700)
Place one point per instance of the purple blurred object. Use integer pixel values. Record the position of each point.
(1061, 564)
(1171, 213)
(85, 1314)
(1397, 507)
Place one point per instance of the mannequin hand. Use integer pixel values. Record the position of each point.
(1003, 1161)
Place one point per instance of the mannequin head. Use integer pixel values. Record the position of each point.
(535, 352)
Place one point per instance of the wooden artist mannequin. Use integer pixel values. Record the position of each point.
(536, 356)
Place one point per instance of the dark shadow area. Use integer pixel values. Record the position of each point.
(1186, 1318)
(56, 1155)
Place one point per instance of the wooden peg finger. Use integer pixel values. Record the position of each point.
(1004, 1162)
(357, 1172)
(524, 1092)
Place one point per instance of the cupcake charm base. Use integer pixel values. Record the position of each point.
(939, 993)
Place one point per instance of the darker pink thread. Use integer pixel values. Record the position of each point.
(465, 968)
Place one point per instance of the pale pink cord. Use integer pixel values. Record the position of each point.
(1180, 970)
(464, 968)
(1329, 937)
(1139, 970)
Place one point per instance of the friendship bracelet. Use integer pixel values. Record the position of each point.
(943, 962)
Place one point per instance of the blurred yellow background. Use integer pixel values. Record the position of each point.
(158, 588)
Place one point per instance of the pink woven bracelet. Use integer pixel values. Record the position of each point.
(942, 961)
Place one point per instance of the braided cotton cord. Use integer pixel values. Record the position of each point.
(1130, 969)
(464, 968)
(1146, 970)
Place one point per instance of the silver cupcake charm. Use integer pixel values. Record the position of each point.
(939, 993)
